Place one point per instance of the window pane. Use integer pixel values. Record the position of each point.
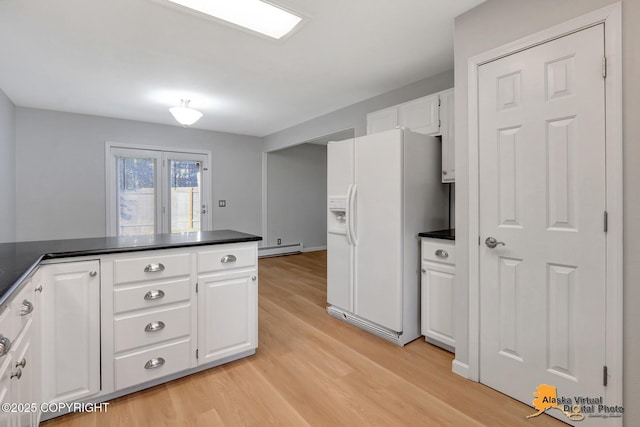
(136, 196)
(185, 181)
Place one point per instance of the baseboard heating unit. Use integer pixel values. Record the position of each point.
(267, 251)
(358, 322)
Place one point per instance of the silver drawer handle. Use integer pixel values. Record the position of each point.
(228, 258)
(154, 326)
(442, 253)
(151, 295)
(26, 308)
(17, 374)
(22, 363)
(5, 345)
(154, 363)
(151, 268)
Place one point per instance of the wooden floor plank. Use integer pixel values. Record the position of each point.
(312, 369)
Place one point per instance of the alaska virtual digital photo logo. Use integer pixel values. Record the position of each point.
(546, 397)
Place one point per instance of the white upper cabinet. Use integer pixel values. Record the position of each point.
(421, 115)
(447, 128)
(382, 120)
(429, 115)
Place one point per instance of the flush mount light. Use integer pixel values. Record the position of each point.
(184, 115)
(256, 15)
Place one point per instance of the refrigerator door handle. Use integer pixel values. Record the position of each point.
(351, 227)
(348, 215)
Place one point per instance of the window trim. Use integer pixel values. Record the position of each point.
(112, 148)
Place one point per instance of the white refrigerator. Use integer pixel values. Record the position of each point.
(382, 190)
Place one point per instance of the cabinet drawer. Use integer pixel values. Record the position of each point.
(151, 267)
(150, 364)
(439, 250)
(227, 258)
(151, 328)
(151, 295)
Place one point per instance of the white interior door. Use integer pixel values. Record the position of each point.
(378, 228)
(542, 193)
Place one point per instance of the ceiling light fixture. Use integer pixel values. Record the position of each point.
(184, 115)
(256, 15)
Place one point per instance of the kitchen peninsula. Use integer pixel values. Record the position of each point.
(119, 314)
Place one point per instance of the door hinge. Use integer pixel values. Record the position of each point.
(605, 376)
(196, 287)
(197, 354)
(606, 221)
(604, 67)
(479, 240)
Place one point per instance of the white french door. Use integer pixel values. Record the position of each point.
(154, 191)
(542, 203)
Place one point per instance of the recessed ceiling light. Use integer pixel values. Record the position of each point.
(255, 15)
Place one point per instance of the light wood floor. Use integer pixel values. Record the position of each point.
(311, 369)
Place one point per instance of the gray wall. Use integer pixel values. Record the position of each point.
(7, 170)
(355, 116)
(60, 171)
(493, 24)
(297, 196)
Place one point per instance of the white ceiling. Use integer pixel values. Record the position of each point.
(133, 59)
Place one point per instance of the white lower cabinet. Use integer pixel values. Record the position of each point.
(153, 306)
(227, 324)
(92, 329)
(177, 309)
(70, 331)
(438, 277)
(227, 301)
(18, 361)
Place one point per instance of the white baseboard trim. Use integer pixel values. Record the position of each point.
(317, 248)
(460, 368)
(267, 251)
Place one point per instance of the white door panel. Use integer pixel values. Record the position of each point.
(542, 193)
(340, 254)
(378, 230)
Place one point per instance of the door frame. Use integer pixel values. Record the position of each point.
(611, 16)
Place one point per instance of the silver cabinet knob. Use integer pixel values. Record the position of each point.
(228, 258)
(26, 308)
(442, 253)
(151, 295)
(152, 268)
(491, 242)
(154, 363)
(22, 363)
(93, 273)
(444, 172)
(154, 326)
(38, 289)
(17, 374)
(424, 270)
(5, 345)
(254, 278)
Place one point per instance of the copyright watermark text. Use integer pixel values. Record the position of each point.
(54, 407)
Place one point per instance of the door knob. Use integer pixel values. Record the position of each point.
(491, 242)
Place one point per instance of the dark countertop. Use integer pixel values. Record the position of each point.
(18, 260)
(448, 234)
